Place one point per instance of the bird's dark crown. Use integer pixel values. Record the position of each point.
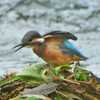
(29, 36)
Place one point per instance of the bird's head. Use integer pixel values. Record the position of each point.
(30, 39)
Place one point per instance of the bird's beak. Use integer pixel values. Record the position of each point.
(29, 44)
(19, 46)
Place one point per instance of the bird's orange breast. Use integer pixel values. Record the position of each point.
(56, 57)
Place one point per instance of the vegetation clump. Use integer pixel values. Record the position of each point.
(41, 82)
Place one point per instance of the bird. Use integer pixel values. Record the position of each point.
(53, 47)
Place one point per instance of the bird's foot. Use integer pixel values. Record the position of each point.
(78, 64)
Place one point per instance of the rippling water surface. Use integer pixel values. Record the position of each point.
(81, 17)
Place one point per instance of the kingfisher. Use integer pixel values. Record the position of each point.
(53, 47)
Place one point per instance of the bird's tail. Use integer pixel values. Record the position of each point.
(83, 57)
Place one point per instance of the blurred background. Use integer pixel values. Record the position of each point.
(80, 17)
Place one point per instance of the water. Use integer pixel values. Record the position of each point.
(80, 17)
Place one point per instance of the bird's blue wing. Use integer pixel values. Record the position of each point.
(69, 48)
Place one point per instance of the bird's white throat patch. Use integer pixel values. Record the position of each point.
(41, 40)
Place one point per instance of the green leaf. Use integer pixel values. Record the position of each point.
(58, 69)
(57, 97)
(31, 97)
(81, 74)
(32, 72)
